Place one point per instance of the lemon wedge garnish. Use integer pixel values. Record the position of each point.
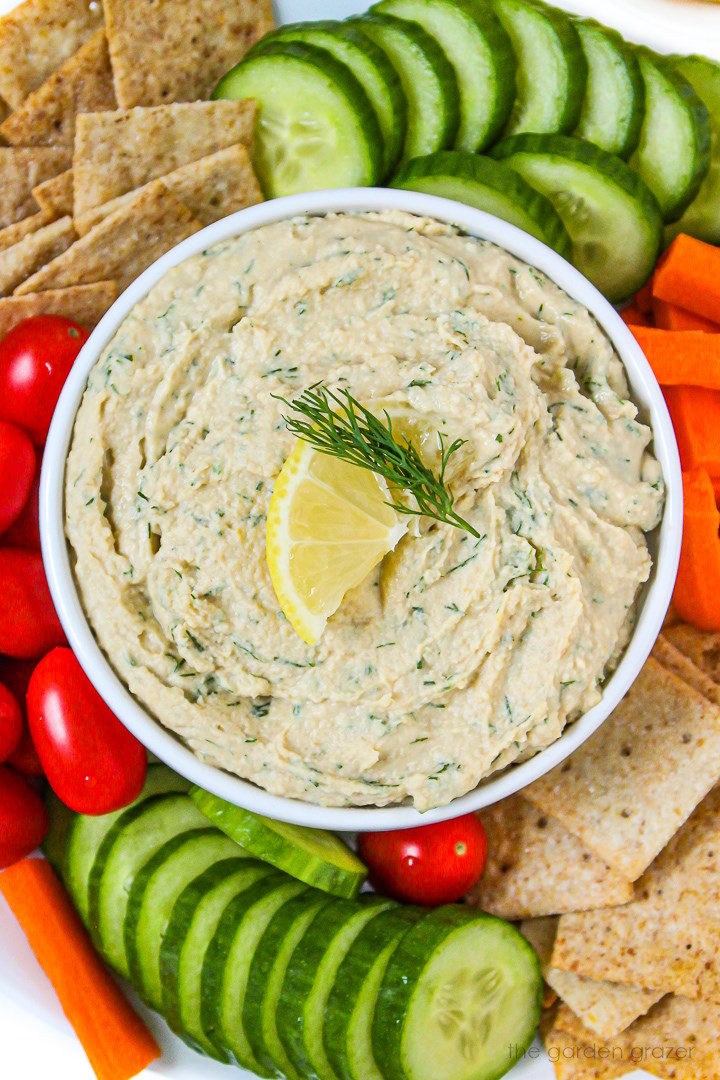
(328, 525)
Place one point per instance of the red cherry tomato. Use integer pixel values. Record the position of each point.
(16, 674)
(93, 764)
(23, 818)
(25, 533)
(11, 723)
(430, 865)
(25, 758)
(17, 468)
(35, 358)
(29, 624)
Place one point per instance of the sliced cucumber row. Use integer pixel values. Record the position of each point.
(614, 105)
(254, 967)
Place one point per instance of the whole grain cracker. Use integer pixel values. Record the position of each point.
(120, 151)
(22, 169)
(84, 304)
(701, 647)
(55, 196)
(177, 50)
(33, 251)
(536, 867)
(38, 37)
(627, 790)
(674, 660)
(13, 234)
(82, 84)
(574, 1059)
(121, 246)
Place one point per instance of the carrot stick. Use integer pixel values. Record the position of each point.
(633, 316)
(643, 298)
(681, 357)
(672, 317)
(697, 589)
(689, 275)
(115, 1039)
(695, 414)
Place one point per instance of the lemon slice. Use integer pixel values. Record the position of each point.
(328, 525)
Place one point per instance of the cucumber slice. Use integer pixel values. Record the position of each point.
(613, 219)
(265, 980)
(310, 976)
(460, 999)
(129, 844)
(490, 186)
(54, 845)
(552, 71)
(702, 217)
(153, 894)
(86, 834)
(614, 105)
(673, 155)
(191, 928)
(227, 965)
(311, 855)
(479, 49)
(369, 65)
(347, 1035)
(427, 78)
(315, 128)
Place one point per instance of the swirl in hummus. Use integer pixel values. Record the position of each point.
(458, 655)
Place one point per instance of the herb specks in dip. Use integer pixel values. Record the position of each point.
(460, 654)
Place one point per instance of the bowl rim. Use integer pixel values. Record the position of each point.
(161, 741)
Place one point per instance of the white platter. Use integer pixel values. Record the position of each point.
(666, 25)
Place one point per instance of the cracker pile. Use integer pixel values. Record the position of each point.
(109, 156)
(612, 864)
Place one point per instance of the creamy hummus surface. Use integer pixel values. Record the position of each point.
(458, 655)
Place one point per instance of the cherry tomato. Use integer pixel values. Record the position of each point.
(17, 468)
(16, 674)
(430, 865)
(29, 624)
(25, 757)
(11, 723)
(35, 358)
(23, 818)
(93, 764)
(25, 533)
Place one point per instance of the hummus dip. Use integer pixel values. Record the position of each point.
(457, 655)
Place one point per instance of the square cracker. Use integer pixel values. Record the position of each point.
(33, 251)
(13, 234)
(605, 1008)
(536, 867)
(116, 152)
(177, 50)
(82, 84)
(37, 37)
(674, 660)
(85, 304)
(574, 1059)
(121, 246)
(669, 936)
(701, 647)
(55, 196)
(628, 789)
(211, 188)
(22, 169)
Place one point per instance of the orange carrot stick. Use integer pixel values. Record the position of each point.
(689, 275)
(697, 589)
(695, 414)
(681, 357)
(643, 298)
(115, 1039)
(633, 316)
(672, 317)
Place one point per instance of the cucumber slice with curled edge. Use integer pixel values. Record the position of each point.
(153, 894)
(227, 964)
(347, 1035)
(369, 65)
(191, 928)
(702, 217)
(552, 71)
(479, 49)
(314, 856)
(460, 999)
(310, 976)
(490, 186)
(673, 155)
(613, 219)
(427, 78)
(315, 126)
(267, 974)
(614, 104)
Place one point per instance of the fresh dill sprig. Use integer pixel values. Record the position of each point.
(338, 425)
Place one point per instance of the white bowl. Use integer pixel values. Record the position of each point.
(664, 543)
